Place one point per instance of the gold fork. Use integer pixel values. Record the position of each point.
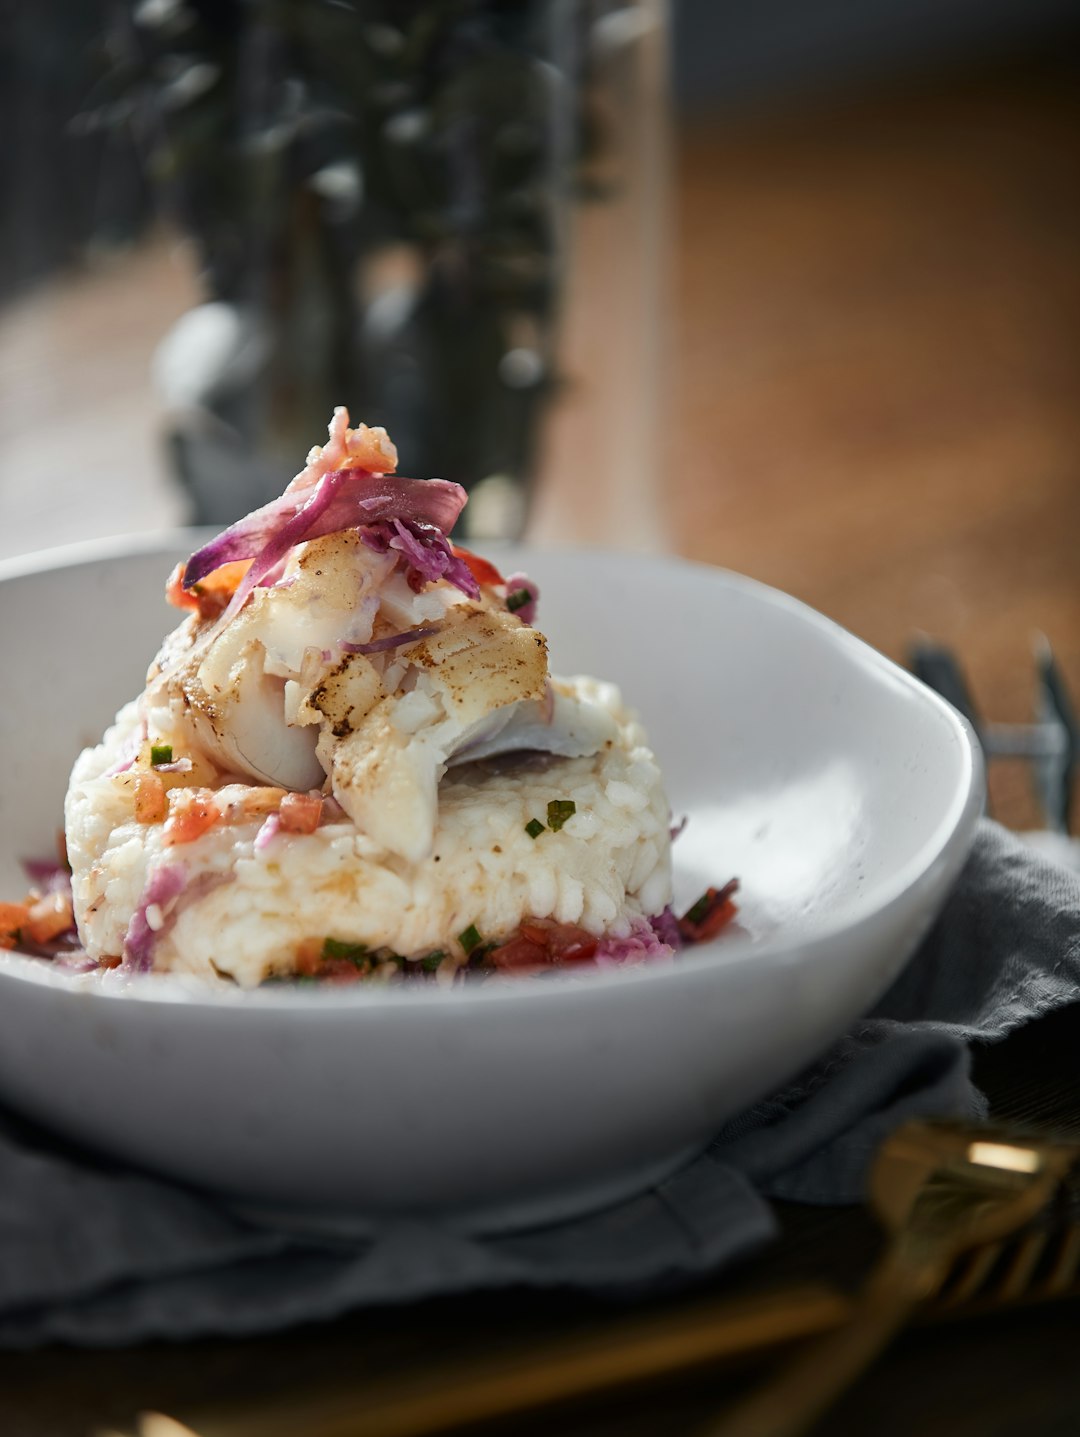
(1037, 1267)
(941, 1191)
(911, 1171)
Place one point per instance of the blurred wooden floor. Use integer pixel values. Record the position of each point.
(879, 372)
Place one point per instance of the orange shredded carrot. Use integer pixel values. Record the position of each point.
(210, 596)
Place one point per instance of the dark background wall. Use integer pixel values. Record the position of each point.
(731, 54)
(58, 187)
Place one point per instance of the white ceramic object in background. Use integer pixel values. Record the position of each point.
(841, 792)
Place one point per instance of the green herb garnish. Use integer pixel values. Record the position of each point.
(160, 753)
(517, 600)
(432, 960)
(470, 939)
(559, 810)
(353, 952)
(534, 828)
(700, 910)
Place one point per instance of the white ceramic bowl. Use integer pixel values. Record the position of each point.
(840, 791)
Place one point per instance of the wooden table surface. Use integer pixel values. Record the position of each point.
(879, 354)
(879, 368)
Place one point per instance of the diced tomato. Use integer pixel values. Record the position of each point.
(340, 970)
(569, 944)
(482, 571)
(13, 919)
(192, 811)
(564, 942)
(300, 812)
(48, 917)
(544, 943)
(151, 800)
(519, 955)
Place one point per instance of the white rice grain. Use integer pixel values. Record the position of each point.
(245, 912)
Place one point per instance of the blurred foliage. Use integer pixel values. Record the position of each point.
(62, 188)
(378, 191)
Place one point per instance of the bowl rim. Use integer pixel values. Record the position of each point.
(941, 855)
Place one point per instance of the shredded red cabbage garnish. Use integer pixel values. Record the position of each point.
(178, 765)
(641, 945)
(47, 875)
(427, 554)
(666, 927)
(342, 499)
(165, 885)
(128, 755)
(521, 597)
(389, 641)
(271, 827)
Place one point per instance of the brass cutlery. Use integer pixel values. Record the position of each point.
(944, 1194)
(958, 1204)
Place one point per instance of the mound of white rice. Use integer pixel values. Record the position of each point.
(243, 911)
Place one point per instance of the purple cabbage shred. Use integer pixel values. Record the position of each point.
(342, 499)
(163, 888)
(47, 876)
(666, 927)
(643, 944)
(521, 583)
(389, 641)
(426, 551)
(271, 827)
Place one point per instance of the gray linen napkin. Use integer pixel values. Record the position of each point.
(96, 1256)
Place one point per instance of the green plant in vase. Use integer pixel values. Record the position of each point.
(377, 197)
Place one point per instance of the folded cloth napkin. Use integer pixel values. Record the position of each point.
(94, 1255)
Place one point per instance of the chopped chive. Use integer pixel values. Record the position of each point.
(517, 600)
(534, 828)
(470, 939)
(354, 952)
(559, 810)
(699, 910)
(431, 961)
(160, 753)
